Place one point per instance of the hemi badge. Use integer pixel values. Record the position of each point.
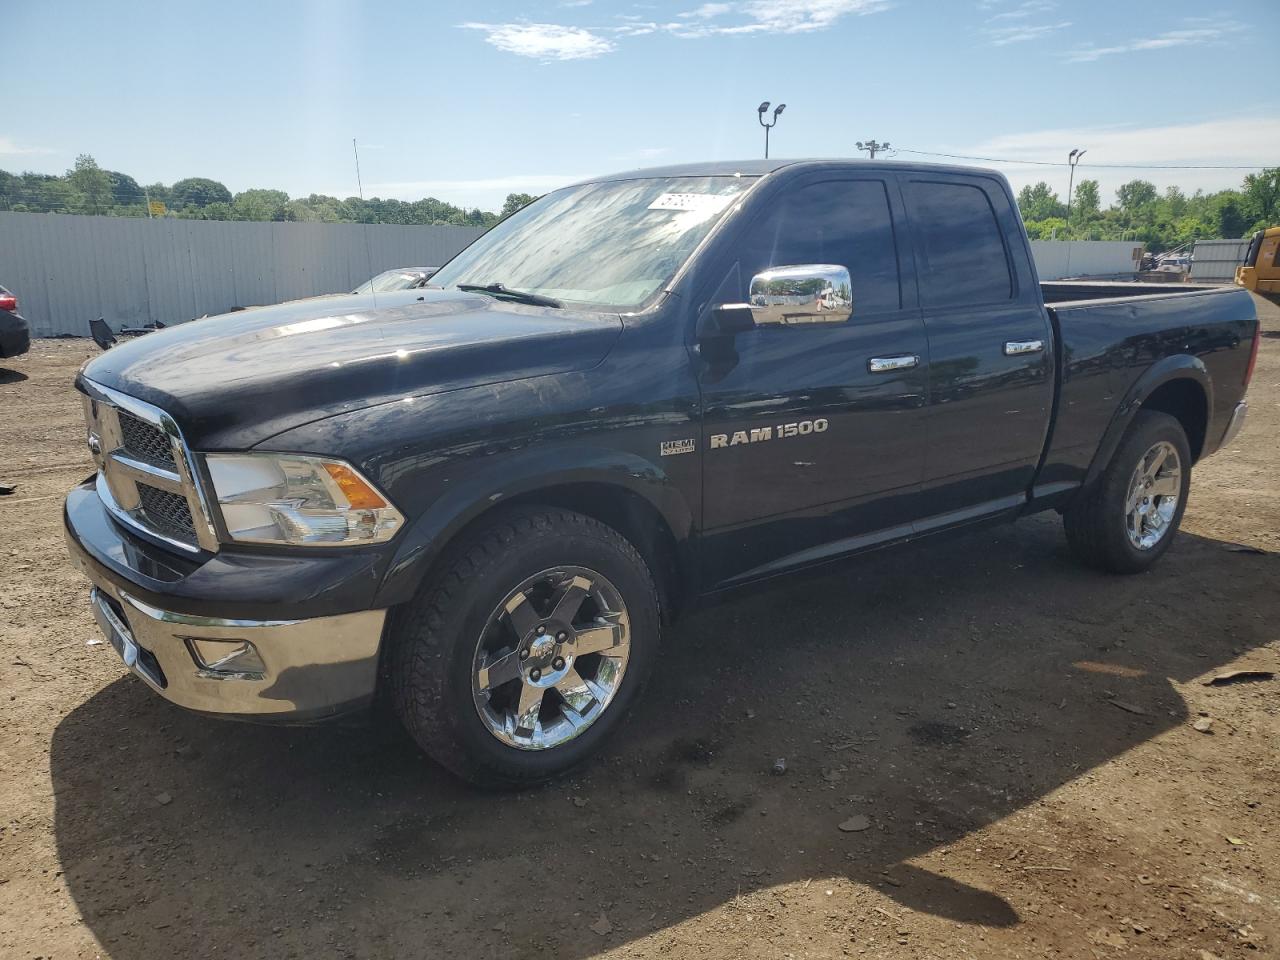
(671, 448)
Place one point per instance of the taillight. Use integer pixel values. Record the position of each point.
(8, 302)
(1253, 354)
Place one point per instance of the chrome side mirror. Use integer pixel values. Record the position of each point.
(807, 293)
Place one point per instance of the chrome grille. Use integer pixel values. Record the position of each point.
(144, 441)
(145, 475)
(167, 512)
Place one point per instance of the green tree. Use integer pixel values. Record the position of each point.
(514, 202)
(199, 192)
(1086, 201)
(1136, 195)
(1174, 202)
(125, 190)
(91, 185)
(1261, 201)
(1230, 218)
(1039, 202)
(1050, 228)
(260, 205)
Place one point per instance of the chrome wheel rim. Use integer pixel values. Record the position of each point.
(551, 658)
(1153, 496)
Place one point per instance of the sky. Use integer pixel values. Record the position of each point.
(469, 102)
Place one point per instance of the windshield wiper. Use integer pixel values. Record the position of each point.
(523, 296)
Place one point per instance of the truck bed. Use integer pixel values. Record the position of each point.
(1063, 292)
(1112, 335)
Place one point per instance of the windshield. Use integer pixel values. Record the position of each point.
(614, 244)
(392, 280)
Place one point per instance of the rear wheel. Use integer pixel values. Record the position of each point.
(519, 658)
(1127, 520)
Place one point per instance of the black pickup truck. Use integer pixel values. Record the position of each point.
(636, 392)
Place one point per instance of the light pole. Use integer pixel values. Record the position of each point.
(768, 126)
(872, 147)
(1072, 159)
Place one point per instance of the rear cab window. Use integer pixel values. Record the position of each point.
(958, 237)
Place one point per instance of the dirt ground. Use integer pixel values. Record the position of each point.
(1016, 734)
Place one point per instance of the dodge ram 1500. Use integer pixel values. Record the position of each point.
(632, 394)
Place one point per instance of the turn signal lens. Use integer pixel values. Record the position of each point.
(358, 493)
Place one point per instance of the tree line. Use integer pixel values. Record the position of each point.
(87, 188)
(1143, 214)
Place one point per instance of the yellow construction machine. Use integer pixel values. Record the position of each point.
(1260, 271)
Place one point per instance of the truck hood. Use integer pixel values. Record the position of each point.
(235, 380)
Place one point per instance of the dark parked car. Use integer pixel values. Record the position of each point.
(632, 394)
(402, 278)
(15, 335)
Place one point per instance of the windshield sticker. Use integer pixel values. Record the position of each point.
(701, 202)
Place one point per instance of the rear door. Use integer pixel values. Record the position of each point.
(990, 346)
(805, 447)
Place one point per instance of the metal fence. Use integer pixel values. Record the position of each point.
(1057, 259)
(67, 270)
(1217, 259)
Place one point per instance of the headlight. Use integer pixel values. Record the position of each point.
(284, 498)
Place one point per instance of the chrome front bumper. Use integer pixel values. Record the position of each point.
(294, 670)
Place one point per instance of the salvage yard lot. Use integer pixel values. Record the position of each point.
(1006, 737)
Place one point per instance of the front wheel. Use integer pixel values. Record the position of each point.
(521, 655)
(1127, 520)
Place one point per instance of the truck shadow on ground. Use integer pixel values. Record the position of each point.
(933, 691)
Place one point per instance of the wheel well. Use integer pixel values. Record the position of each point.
(632, 516)
(1184, 400)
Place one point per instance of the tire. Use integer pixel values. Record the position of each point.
(1100, 527)
(514, 576)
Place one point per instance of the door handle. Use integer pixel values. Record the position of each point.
(1013, 348)
(886, 364)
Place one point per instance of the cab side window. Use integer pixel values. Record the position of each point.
(844, 222)
(965, 261)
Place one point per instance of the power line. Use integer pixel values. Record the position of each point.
(1113, 166)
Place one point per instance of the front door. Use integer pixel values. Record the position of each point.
(808, 446)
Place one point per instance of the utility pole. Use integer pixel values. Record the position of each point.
(1072, 159)
(872, 147)
(768, 126)
(359, 184)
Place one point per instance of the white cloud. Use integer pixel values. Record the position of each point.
(771, 16)
(544, 41)
(1024, 10)
(1022, 32)
(635, 29)
(707, 11)
(1014, 24)
(553, 41)
(11, 148)
(1240, 141)
(1189, 36)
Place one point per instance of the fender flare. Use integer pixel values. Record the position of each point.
(1178, 367)
(524, 472)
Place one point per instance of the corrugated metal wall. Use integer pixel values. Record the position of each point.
(66, 270)
(1217, 259)
(1057, 259)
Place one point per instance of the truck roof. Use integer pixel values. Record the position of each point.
(757, 168)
